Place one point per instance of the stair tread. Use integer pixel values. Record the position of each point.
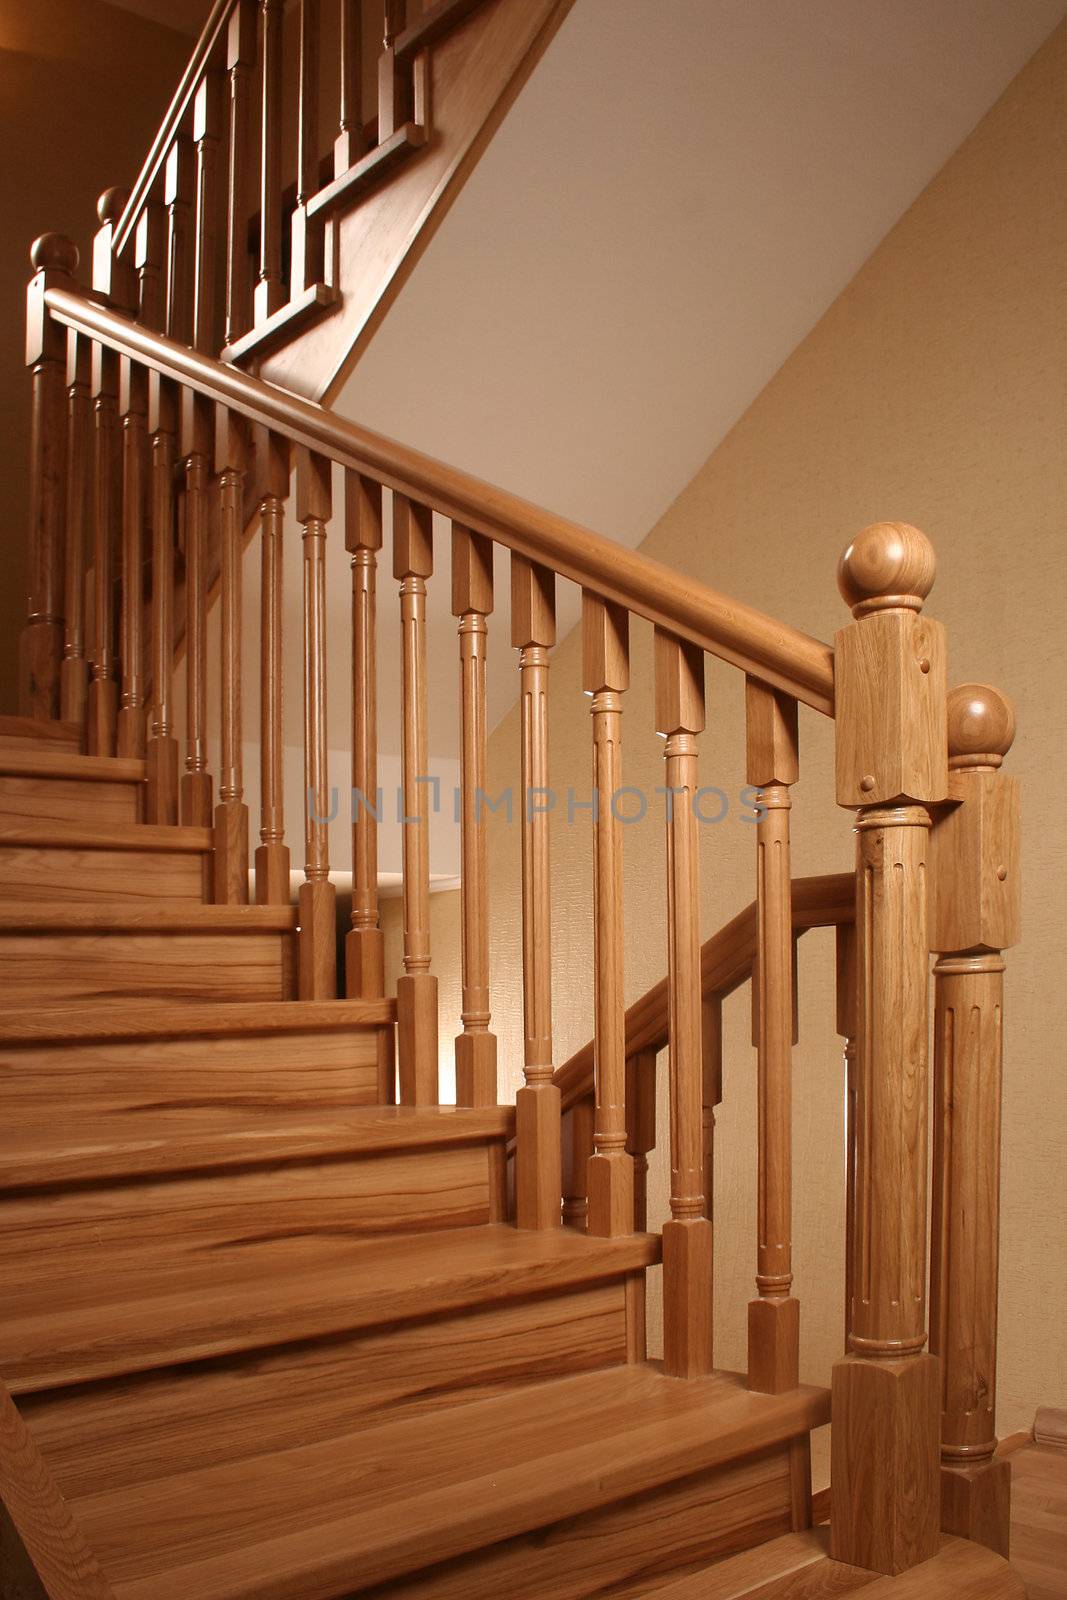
(191, 1138)
(148, 1019)
(313, 1522)
(144, 917)
(795, 1567)
(90, 835)
(71, 1321)
(66, 764)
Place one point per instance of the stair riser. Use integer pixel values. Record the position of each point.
(107, 1436)
(627, 1549)
(121, 1225)
(31, 737)
(69, 800)
(56, 967)
(304, 1071)
(96, 876)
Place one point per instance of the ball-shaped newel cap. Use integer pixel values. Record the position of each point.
(111, 204)
(981, 726)
(890, 566)
(55, 251)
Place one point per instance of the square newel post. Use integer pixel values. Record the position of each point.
(55, 260)
(975, 917)
(891, 768)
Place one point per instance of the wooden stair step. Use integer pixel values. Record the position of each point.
(322, 1521)
(31, 733)
(72, 861)
(62, 764)
(64, 1325)
(146, 1020)
(198, 1139)
(47, 783)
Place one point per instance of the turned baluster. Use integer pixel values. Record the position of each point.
(364, 945)
(231, 814)
(318, 910)
(179, 194)
(889, 671)
(55, 260)
(74, 670)
(161, 754)
(207, 135)
(641, 1126)
(577, 1147)
(272, 853)
(975, 917)
(240, 70)
(774, 1317)
(308, 253)
(133, 412)
(711, 1057)
(416, 989)
(606, 673)
(350, 143)
(394, 83)
(538, 1158)
(687, 1236)
(472, 603)
(197, 448)
(846, 1027)
(270, 292)
(150, 265)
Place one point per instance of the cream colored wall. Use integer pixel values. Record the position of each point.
(934, 390)
(82, 89)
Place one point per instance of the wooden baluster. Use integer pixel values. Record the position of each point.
(133, 412)
(74, 670)
(975, 917)
(240, 70)
(161, 755)
(889, 671)
(318, 910)
(55, 260)
(232, 442)
(150, 263)
(270, 293)
(350, 143)
(538, 1158)
(197, 448)
(364, 945)
(711, 1056)
(606, 672)
(272, 853)
(179, 193)
(472, 602)
(577, 1145)
(394, 84)
(308, 254)
(641, 1126)
(207, 135)
(103, 689)
(687, 1236)
(846, 1027)
(774, 1317)
(416, 990)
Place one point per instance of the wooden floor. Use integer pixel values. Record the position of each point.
(1039, 1520)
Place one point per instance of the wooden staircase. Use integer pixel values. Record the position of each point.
(277, 1325)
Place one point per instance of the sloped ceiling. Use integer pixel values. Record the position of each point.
(679, 193)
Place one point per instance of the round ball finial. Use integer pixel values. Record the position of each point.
(111, 204)
(54, 250)
(890, 566)
(981, 726)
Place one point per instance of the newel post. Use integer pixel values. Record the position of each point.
(975, 917)
(55, 260)
(891, 768)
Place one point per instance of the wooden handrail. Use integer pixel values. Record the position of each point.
(180, 105)
(725, 963)
(772, 651)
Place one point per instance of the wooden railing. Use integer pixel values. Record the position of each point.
(884, 684)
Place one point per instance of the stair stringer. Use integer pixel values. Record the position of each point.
(474, 75)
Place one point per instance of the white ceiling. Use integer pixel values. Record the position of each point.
(678, 194)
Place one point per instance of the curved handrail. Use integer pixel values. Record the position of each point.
(746, 638)
(168, 128)
(726, 961)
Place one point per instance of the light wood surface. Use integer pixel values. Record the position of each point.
(272, 853)
(74, 668)
(232, 449)
(197, 440)
(133, 414)
(364, 944)
(538, 1160)
(318, 955)
(1039, 1512)
(161, 765)
(240, 76)
(28, 735)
